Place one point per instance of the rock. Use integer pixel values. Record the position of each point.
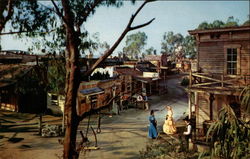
(51, 130)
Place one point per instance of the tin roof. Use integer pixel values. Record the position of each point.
(92, 91)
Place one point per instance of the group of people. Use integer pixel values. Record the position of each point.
(168, 126)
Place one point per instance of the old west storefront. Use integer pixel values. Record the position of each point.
(223, 65)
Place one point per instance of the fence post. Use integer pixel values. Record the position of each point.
(190, 78)
(222, 79)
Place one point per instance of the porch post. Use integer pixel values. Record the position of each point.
(195, 99)
(142, 86)
(150, 89)
(189, 105)
(211, 99)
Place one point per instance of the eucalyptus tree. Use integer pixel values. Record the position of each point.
(189, 46)
(150, 51)
(6, 12)
(134, 44)
(25, 17)
(247, 22)
(172, 44)
(231, 22)
(73, 15)
(64, 32)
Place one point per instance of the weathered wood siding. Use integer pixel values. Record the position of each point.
(245, 58)
(211, 57)
(212, 51)
(202, 110)
(203, 107)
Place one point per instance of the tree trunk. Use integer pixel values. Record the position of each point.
(72, 84)
(73, 73)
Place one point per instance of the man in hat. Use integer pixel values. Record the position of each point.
(188, 132)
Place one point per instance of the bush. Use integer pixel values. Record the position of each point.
(166, 150)
(185, 81)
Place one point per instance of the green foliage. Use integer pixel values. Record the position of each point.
(204, 25)
(185, 81)
(134, 44)
(39, 19)
(231, 22)
(170, 42)
(245, 99)
(189, 46)
(150, 51)
(217, 24)
(100, 76)
(31, 17)
(32, 80)
(247, 22)
(177, 46)
(230, 136)
(56, 76)
(166, 150)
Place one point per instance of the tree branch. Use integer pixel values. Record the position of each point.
(10, 10)
(58, 12)
(126, 30)
(8, 16)
(89, 10)
(51, 9)
(21, 32)
(142, 25)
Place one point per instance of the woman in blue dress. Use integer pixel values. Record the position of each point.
(152, 131)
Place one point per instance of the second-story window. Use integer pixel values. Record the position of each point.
(232, 61)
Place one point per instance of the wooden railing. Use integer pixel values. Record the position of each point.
(218, 80)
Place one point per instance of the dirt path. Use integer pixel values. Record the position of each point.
(122, 136)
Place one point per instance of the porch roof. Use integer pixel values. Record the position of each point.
(217, 90)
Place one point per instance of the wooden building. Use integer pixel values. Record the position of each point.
(19, 89)
(160, 62)
(223, 70)
(97, 94)
(143, 80)
(17, 56)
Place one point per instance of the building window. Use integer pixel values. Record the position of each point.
(232, 61)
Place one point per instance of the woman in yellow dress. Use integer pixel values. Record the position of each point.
(169, 125)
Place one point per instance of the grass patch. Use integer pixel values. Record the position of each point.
(162, 149)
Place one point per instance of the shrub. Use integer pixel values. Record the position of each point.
(185, 81)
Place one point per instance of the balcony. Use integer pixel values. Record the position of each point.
(218, 82)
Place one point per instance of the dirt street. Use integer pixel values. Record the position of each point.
(122, 136)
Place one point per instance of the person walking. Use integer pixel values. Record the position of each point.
(152, 131)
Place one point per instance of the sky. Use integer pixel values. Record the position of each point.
(176, 16)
